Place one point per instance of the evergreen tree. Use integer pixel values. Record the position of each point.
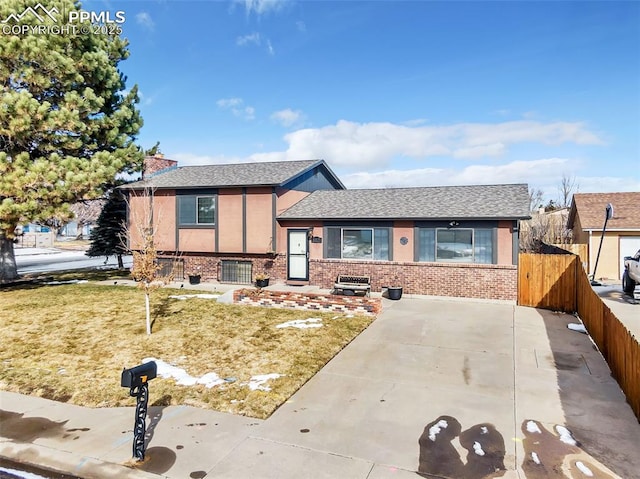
(109, 236)
(67, 123)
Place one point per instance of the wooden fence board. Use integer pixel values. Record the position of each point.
(547, 281)
(559, 282)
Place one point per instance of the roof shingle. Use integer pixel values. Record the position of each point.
(228, 175)
(590, 207)
(444, 202)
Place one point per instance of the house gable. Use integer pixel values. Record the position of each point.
(590, 208)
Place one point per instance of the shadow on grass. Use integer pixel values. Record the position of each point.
(38, 280)
(159, 309)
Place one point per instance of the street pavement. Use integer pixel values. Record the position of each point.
(453, 388)
(41, 260)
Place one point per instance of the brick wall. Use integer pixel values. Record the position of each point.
(209, 268)
(154, 164)
(483, 281)
(321, 303)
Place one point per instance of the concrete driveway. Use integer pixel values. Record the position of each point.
(625, 307)
(452, 388)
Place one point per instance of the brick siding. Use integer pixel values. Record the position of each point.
(154, 164)
(322, 303)
(482, 281)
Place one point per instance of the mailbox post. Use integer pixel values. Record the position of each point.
(137, 380)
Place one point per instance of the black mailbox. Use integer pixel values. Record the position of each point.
(139, 375)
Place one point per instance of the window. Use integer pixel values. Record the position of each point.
(357, 243)
(196, 210)
(460, 245)
(238, 272)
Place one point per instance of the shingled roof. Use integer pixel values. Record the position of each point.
(231, 175)
(590, 207)
(443, 202)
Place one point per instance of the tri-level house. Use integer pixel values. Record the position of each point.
(296, 222)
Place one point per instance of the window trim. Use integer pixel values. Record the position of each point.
(358, 226)
(195, 197)
(473, 227)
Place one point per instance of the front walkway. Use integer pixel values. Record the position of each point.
(450, 387)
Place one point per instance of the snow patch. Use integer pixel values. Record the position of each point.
(533, 427)
(183, 378)
(535, 458)
(189, 296)
(257, 382)
(584, 469)
(302, 323)
(577, 327)
(436, 428)
(21, 474)
(477, 447)
(565, 436)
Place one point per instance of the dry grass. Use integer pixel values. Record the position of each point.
(70, 343)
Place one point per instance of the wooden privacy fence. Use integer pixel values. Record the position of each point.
(559, 282)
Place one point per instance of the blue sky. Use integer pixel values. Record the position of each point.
(394, 93)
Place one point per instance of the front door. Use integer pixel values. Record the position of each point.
(298, 255)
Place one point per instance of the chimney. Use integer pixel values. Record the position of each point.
(154, 165)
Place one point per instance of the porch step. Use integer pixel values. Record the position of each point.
(296, 283)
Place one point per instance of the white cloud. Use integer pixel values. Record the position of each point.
(248, 113)
(260, 7)
(371, 145)
(236, 106)
(246, 39)
(229, 102)
(492, 150)
(362, 152)
(257, 40)
(288, 117)
(144, 99)
(144, 19)
(539, 172)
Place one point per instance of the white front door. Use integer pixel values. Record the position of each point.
(298, 255)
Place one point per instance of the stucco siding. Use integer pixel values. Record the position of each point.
(259, 220)
(230, 217)
(164, 220)
(139, 213)
(505, 242)
(197, 240)
(403, 252)
(287, 198)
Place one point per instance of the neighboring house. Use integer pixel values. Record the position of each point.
(622, 236)
(85, 216)
(296, 222)
(549, 227)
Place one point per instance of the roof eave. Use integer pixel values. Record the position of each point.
(311, 167)
(403, 218)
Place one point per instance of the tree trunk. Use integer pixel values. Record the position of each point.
(120, 262)
(146, 304)
(8, 267)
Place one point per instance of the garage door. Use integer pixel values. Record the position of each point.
(628, 247)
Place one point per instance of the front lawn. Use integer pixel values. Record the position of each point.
(70, 342)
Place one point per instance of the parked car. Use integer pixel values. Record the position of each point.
(631, 275)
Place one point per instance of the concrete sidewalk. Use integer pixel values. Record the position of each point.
(448, 387)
